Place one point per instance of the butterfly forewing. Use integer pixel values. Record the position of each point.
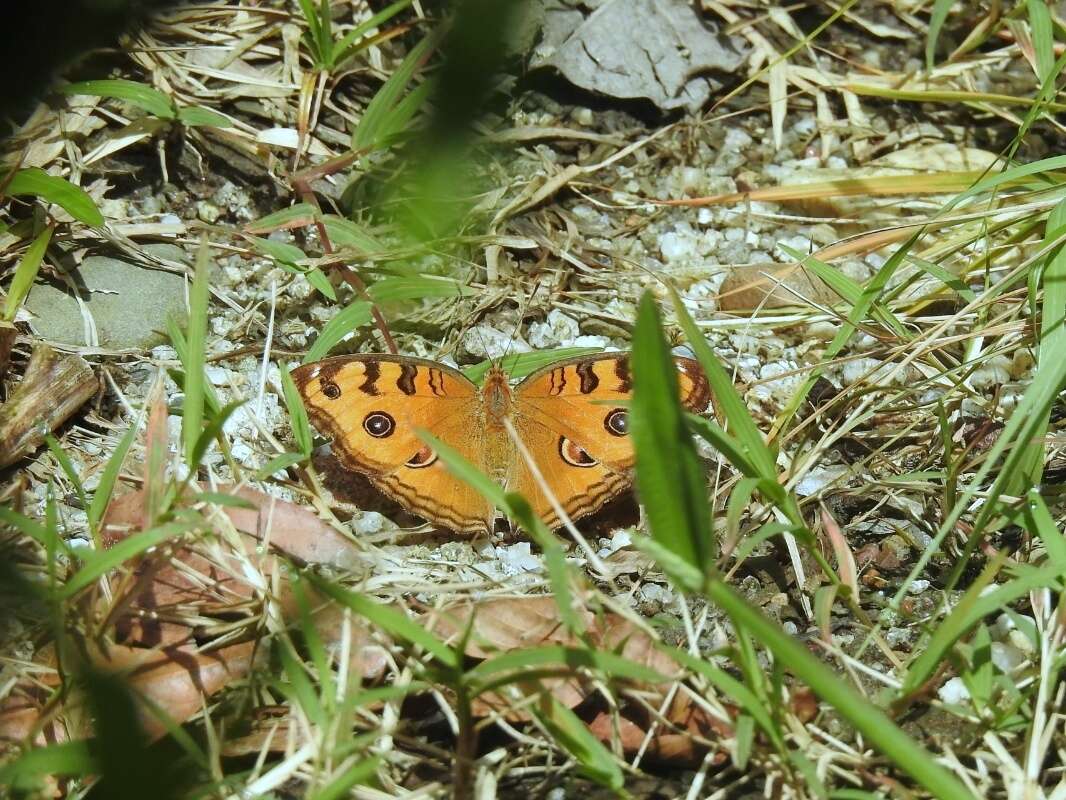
(372, 408)
(567, 416)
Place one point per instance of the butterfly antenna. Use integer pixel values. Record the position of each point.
(522, 310)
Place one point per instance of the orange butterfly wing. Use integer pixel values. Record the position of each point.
(371, 406)
(565, 415)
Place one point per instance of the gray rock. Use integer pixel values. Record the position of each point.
(658, 49)
(129, 304)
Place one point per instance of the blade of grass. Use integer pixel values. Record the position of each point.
(26, 272)
(72, 199)
(874, 725)
(106, 486)
(348, 320)
(667, 463)
(518, 365)
(141, 95)
(99, 563)
(595, 761)
(192, 415)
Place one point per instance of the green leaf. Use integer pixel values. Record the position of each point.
(519, 365)
(936, 21)
(301, 427)
(348, 320)
(670, 482)
(345, 233)
(32, 528)
(349, 44)
(106, 486)
(223, 499)
(391, 621)
(357, 774)
(97, 563)
(287, 256)
(295, 216)
(66, 758)
(211, 432)
(974, 606)
(299, 688)
(415, 287)
(756, 453)
(849, 290)
(72, 199)
(378, 120)
(1043, 38)
(278, 463)
(198, 116)
(573, 735)
(192, 415)
(144, 97)
(67, 467)
(26, 272)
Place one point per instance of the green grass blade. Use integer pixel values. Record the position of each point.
(758, 455)
(301, 427)
(211, 431)
(936, 21)
(347, 321)
(415, 287)
(973, 607)
(670, 482)
(72, 199)
(345, 233)
(26, 272)
(295, 216)
(857, 710)
(299, 689)
(375, 124)
(99, 563)
(573, 735)
(357, 774)
(1043, 38)
(106, 487)
(66, 758)
(68, 468)
(200, 117)
(849, 290)
(349, 44)
(141, 95)
(518, 365)
(393, 622)
(192, 416)
(1052, 344)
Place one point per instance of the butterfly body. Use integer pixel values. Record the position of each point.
(565, 415)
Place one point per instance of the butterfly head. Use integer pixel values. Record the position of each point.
(496, 392)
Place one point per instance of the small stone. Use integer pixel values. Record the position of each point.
(954, 691)
(918, 586)
(129, 304)
(1006, 657)
(208, 212)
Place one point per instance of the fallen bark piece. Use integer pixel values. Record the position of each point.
(7, 340)
(54, 387)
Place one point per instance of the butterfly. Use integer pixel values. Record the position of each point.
(571, 416)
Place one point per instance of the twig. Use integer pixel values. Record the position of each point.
(301, 182)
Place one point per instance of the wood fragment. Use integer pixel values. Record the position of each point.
(7, 340)
(54, 387)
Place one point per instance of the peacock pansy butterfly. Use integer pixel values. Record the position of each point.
(373, 405)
